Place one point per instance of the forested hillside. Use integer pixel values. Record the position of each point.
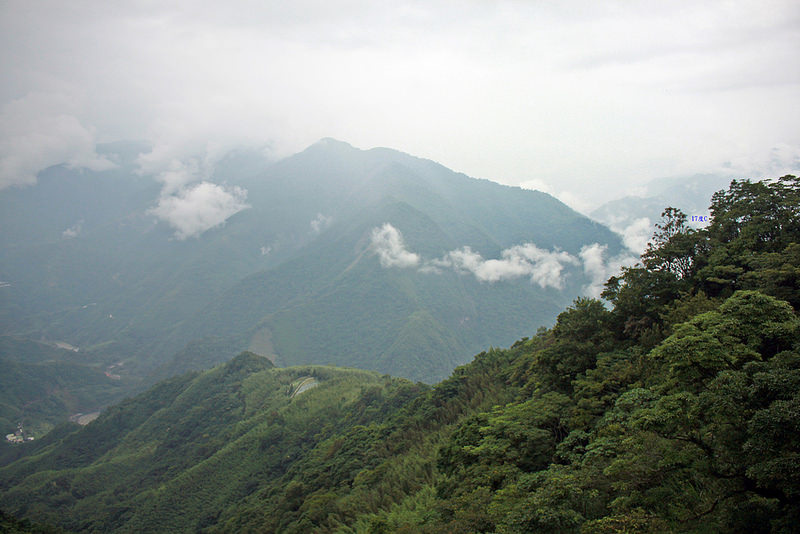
(673, 409)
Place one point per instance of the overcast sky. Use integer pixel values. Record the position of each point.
(558, 95)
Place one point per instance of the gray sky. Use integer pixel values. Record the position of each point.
(558, 95)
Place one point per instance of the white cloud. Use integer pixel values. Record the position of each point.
(543, 267)
(73, 231)
(636, 235)
(320, 222)
(194, 209)
(594, 266)
(599, 269)
(189, 202)
(38, 131)
(387, 242)
(176, 175)
(635, 232)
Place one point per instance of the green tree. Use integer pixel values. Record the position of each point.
(581, 332)
(751, 222)
(674, 245)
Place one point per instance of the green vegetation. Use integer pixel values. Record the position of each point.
(11, 525)
(41, 386)
(674, 410)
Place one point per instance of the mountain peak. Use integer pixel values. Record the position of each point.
(331, 143)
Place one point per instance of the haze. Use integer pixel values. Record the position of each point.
(559, 96)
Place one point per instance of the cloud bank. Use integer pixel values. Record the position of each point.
(610, 92)
(542, 267)
(637, 234)
(38, 131)
(194, 209)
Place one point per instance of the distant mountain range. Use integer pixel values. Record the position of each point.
(634, 216)
(365, 258)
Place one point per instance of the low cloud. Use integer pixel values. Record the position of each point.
(195, 209)
(39, 131)
(73, 231)
(177, 174)
(387, 242)
(637, 234)
(543, 267)
(189, 202)
(599, 269)
(321, 222)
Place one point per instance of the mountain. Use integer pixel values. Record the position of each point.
(672, 410)
(368, 258)
(85, 262)
(335, 303)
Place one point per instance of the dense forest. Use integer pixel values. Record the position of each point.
(672, 407)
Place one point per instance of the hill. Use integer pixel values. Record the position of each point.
(196, 441)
